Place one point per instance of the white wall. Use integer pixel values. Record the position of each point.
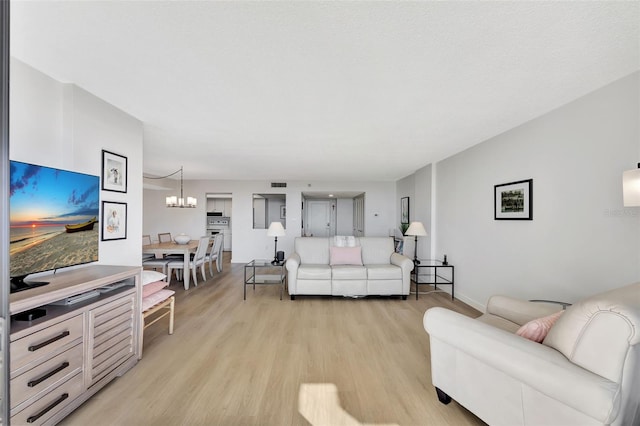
(249, 243)
(63, 126)
(417, 187)
(581, 239)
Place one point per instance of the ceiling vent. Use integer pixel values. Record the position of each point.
(278, 184)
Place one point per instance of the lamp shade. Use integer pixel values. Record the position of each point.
(417, 229)
(631, 187)
(275, 230)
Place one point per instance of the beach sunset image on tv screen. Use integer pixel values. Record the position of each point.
(53, 218)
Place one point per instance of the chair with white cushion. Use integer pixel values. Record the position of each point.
(146, 240)
(584, 371)
(215, 254)
(150, 261)
(197, 261)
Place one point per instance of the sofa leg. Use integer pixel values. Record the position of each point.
(293, 297)
(404, 297)
(443, 397)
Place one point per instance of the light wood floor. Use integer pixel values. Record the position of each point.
(269, 362)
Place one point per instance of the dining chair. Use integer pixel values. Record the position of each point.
(165, 237)
(215, 254)
(146, 240)
(156, 264)
(197, 261)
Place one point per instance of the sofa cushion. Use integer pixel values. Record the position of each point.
(384, 272)
(345, 256)
(149, 277)
(155, 287)
(155, 298)
(314, 272)
(348, 272)
(376, 250)
(345, 241)
(313, 250)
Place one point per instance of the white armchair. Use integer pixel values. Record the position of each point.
(586, 371)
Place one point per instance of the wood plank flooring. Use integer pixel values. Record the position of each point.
(264, 361)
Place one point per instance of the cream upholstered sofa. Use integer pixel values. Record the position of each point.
(585, 372)
(379, 271)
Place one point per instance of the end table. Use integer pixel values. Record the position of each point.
(431, 269)
(264, 272)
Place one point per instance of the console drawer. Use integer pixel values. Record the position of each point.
(45, 342)
(46, 375)
(48, 405)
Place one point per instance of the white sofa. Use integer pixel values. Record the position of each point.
(382, 272)
(585, 372)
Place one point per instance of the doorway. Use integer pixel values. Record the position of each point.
(321, 218)
(329, 214)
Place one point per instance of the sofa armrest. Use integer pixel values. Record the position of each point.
(520, 311)
(402, 261)
(406, 265)
(535, 365)
(292, 264)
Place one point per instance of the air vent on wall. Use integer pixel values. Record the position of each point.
(278, 185)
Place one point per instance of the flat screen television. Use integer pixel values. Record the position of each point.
(53, 218)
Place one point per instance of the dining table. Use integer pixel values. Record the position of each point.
(160, 249)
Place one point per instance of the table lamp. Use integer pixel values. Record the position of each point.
(416, 229)
(275, 230)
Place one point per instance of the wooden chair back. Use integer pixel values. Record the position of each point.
(165, 237)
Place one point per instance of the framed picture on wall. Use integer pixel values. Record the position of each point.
(513, 200)
(114, 221)
(283, 212)
(404, 210)
(114, 172)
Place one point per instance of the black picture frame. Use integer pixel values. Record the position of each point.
(114, 172)
(404, 210)
(513, 200)
(114, 221)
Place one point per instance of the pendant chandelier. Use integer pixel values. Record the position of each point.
(175, 201)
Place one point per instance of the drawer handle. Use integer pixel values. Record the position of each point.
(48, 408)
(41, 379)
(48, 342)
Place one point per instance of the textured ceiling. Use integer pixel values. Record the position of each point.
(325, 90)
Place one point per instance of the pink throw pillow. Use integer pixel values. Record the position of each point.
(538, 328)
(151, 288)
(345, 256)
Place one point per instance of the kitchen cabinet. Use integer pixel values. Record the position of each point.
(221, 205)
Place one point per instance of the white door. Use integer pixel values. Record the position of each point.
(318, 218)
(358, 216)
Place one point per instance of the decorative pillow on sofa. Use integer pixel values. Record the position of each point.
(151, 288)
(345, 256)
(149, 277)
(344, 241)
(538, 328)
